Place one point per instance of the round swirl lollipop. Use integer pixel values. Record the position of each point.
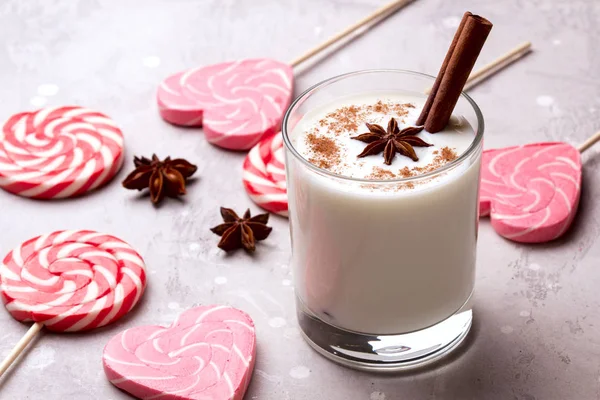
(70, 281)
(264, 175)
(58, 152)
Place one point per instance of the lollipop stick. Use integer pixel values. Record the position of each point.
(380, 13)
(35, 328)
(498, 64)
(589, 142)
(495, 66)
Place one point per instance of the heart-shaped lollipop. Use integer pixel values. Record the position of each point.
(236, 102)
(531, 192)
(207, 353)
(240, 102)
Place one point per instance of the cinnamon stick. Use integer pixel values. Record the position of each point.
(458, 63)
(438, 80)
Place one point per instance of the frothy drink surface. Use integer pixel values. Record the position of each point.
(381, 257)
(325, 137)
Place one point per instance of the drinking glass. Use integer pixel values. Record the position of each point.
(383, 270)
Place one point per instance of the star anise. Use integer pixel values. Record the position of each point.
(163, 178)
(391, 141)
(243, 232)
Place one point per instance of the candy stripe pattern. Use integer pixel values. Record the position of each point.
(264, 175)
(207, 353)
(531, 192)
(72, 280)
(238, 103)
(58, 152)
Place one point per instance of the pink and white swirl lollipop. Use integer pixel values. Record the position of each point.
(70, 281)
(58, 152)
(264, 175)
(207, 353)
(236, 102)
(531, 192)
(240, 102)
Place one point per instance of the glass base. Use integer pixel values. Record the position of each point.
(384, 352)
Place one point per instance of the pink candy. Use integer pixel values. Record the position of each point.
(264, 175)
(207, 353)
(531, 192)
(72, 280)
(237, 103)
(58, 152)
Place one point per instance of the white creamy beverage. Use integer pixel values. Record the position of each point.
(386, 252)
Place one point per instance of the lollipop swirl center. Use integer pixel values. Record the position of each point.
(76, 273)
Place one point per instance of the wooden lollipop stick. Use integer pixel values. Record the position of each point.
(495, 66)
(20, 346)
(498, 64)
(380, 13)
(589, 142)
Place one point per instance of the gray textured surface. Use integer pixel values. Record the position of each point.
(537, 332)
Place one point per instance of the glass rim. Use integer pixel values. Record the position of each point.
(288, 144)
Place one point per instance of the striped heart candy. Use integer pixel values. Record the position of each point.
(237, 103)
(207, 353)
(531, 192)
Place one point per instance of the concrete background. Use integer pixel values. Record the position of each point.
(537, 331)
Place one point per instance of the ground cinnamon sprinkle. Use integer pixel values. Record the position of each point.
(324, 164)
(326, 153)
(442, 157)
(380, 107)
(449, 154)
(401, 109)
(419, 170)
(322, 146)
(341, 120)
(405, 172)
(381, 174)
(353, 110)
(350, 119)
